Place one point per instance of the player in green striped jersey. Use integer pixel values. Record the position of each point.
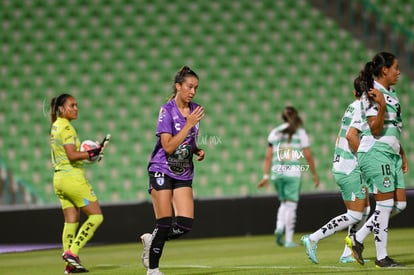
(349, 179)
(288, 145)
(381, 156)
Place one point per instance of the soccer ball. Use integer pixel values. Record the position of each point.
(87, 145)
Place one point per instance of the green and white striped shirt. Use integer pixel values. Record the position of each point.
(345, 160)
(389, 139)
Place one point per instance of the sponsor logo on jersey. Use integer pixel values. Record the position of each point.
(180, 160)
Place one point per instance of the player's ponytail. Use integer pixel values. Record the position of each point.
(180, 77)
(291, 116)
(365, 80)
(53, 115)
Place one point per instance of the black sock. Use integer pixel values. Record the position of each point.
(160, 235)
(181, 226)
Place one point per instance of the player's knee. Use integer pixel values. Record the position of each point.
(182, 226)
(398, 207)
(96, 219)
(164, 223)
(385, 206)
(355, 216)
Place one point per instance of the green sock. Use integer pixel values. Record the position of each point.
(86, 232)
(68, 235)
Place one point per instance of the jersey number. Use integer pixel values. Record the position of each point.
(386, 169)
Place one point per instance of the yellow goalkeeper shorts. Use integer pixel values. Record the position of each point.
(73, 189)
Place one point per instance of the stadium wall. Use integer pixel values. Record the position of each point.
(214, 218)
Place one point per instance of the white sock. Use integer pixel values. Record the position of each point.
(365, 215)
(362, 227)
(280, 218)
(354, 228)
(290, 220)
(399, 206)
(338, 223)
(347, 251)
(380, 226)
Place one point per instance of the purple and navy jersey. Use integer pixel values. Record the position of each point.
(178, 165)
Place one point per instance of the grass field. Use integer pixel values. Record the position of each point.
(236, 255)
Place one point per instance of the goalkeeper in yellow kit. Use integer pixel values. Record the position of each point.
(69, 181)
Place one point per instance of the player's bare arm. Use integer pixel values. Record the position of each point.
(353, 139)
(170, 143)
(404, 160)
(266, 167)
(73, 154)
(309, 158)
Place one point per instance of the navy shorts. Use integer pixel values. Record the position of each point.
(161, 181)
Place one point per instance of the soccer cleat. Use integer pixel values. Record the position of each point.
(356, 247)
(146, 242)
(387, 262)
(279, 238)
(349, 259)
(73, 260)
(310, 248)
(70, 270)
(154, 271)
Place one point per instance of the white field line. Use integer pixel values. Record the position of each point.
(350, 268)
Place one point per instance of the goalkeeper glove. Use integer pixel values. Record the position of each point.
(94, 153)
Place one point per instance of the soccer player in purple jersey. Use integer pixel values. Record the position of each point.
(171, 168)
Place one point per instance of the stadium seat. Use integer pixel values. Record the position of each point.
(119, 60)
